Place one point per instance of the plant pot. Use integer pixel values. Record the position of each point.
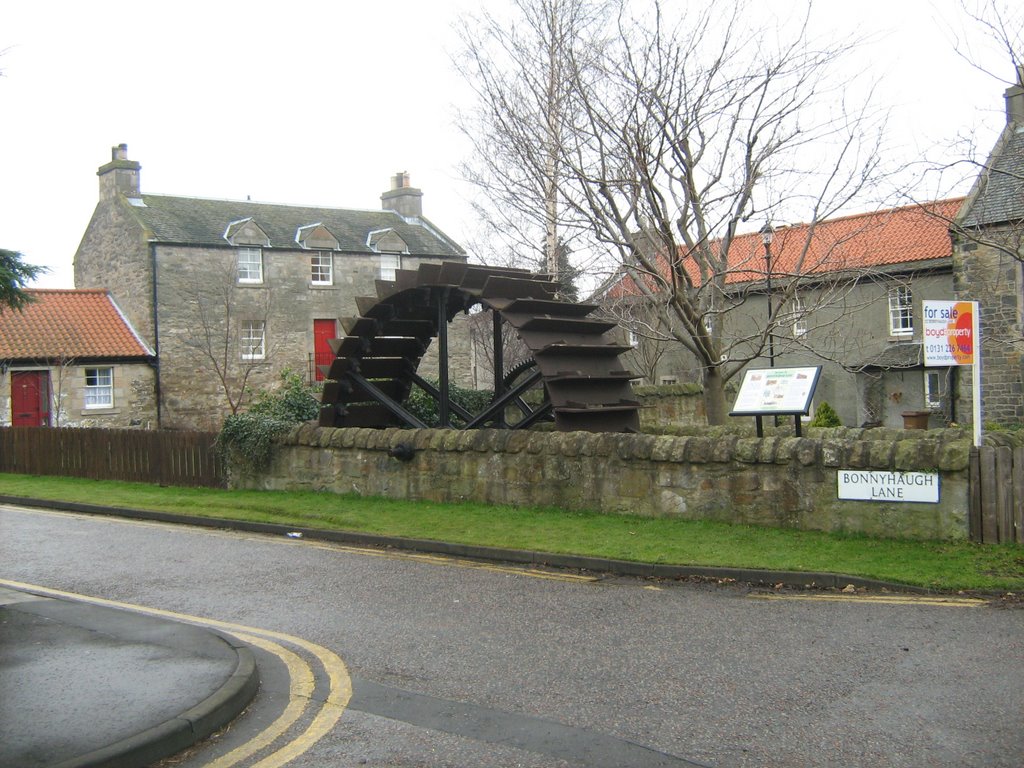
(916, 419)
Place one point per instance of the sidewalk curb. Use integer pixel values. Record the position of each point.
(494, 554)
(186, 729)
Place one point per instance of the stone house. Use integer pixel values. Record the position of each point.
(71, 358)
(988, 252)
(845, 295)
(232, 293)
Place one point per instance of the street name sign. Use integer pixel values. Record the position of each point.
(873, 485)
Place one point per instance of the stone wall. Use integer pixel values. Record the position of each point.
(680, 405)
(775, 481)
(134, 397)
(993, 279)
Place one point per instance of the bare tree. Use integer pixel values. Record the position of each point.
(227, 326)
(672, 136)
(987, 30)
(518, 69)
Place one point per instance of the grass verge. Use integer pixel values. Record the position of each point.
(937, 565)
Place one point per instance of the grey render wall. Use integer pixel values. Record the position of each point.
(788, 482)
(849, 328)
(993, 279)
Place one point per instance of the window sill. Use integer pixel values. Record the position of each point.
(98, 411)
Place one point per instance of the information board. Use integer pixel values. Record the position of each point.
(776, 391)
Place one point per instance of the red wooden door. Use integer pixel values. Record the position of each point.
(323, 332)
(30, 398)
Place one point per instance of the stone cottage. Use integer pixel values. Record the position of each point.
(232, 293)
(70, 358)
(988, 253)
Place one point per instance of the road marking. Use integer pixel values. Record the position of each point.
(300, 691)
(950, 602)
(390, 554)
(331, 709)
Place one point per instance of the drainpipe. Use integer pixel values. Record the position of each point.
(156, 335)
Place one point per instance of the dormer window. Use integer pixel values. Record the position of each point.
(246, 232)
(316, 237)
(386, 241)
(250, 265)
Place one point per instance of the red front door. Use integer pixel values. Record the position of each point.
(323, 332)
(30, 398)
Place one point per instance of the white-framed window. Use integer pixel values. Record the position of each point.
(99, 387)
(709, 323)
(250, 265)
(799, 318)
(390, 263)
(666, 380)
(254, 341)
(322, 268)
(632, 339)
(933, 389)
(901, 311)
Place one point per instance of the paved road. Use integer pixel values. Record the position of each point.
(377, 659)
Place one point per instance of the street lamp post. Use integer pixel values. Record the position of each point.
(767, 235)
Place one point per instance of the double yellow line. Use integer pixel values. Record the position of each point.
(301, 677)
(948, 602)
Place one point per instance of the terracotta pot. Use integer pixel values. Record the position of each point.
(916, 419)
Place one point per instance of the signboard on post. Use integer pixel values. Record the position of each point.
(952, 336)
(949, 332)
(776, 391)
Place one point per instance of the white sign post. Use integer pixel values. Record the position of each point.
(952, 336)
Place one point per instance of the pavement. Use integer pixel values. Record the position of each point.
(87, 685)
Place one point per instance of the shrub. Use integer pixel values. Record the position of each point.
(247, 439)
(825, 416)
(425, 408)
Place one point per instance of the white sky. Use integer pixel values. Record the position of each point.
(322, 101)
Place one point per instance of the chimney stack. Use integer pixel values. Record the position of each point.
(120, 176)
(403, 198)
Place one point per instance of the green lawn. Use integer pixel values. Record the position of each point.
(938, 565)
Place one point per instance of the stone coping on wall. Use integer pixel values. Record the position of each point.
(945, 450)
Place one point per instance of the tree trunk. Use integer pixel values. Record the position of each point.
(715, 404)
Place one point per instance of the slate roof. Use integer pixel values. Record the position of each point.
(998, 194)
(60, 324)
(200, 221)
(886, 239)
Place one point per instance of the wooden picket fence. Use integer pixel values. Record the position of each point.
(132, 455)
(997, 495)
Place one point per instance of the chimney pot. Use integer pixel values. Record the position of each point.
(403, 198)
(120, 176)
(1014, 96)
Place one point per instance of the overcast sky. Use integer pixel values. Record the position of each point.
(311, 102)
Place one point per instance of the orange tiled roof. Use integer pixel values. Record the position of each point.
(907, 235)
(68, 324)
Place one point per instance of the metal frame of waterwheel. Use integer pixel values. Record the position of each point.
(575, 356)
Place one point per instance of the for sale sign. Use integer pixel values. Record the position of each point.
(949, 332)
